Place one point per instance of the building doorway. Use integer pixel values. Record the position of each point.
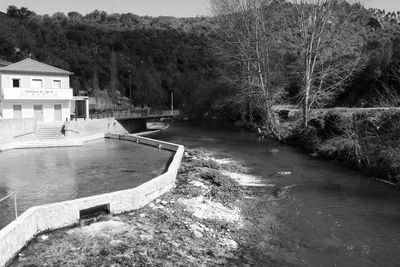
(17, 111)
(57, 112)
(38, 112)
(80, 107)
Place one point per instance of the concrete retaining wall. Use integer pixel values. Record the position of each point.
(58, 215)
(108, 125)
(17, 129)
(90, 127)
(133, 126)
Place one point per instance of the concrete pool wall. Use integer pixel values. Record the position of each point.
(17, 129)
(81, 128)
(36, 220)
(20, 134)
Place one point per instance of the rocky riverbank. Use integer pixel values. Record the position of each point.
(212, 217)
(366, 139)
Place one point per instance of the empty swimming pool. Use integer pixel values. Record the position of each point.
(43, 176)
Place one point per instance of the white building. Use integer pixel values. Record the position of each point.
(31, 89)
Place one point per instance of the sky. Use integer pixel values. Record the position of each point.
(388, 5)
(177, 8)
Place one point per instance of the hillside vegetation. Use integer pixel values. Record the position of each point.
(161, 55)
(166, 54)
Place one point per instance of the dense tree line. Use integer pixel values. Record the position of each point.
(157, 56)
(115, 52)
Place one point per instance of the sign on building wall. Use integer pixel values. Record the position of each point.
(36, 94)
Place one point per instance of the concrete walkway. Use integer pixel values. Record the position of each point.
(153, 127)
(67, 142)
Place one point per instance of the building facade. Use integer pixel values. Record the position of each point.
(31, 89)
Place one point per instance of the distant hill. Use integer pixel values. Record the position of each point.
(155, 56)
(160, 55)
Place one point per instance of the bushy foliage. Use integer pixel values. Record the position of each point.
(364, 139)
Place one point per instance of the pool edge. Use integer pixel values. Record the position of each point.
(16, 235)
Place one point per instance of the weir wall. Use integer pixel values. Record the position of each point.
(36, 220)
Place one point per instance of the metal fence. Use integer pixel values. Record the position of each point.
(134, 114)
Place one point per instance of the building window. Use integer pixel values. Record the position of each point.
(16, 83)
(37, 83)
(57, 84)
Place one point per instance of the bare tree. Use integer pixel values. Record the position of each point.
(248, 44)
(330, 49)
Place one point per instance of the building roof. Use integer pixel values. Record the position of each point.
(32, 66)
(4, 63)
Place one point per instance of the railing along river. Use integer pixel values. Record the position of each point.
(133, 114)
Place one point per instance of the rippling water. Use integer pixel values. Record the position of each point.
(42, 176)
(328, 214)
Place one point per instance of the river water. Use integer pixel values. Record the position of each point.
(328, 214)
(43, 176)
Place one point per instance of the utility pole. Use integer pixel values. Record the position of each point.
(172, 103)
(130, 82)
(130, 89)
(96, 86)
(114, 78)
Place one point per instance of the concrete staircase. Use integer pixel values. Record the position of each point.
(49, 130)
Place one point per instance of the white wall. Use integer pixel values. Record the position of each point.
(26, 80)
(27, 108)
(22, 129)
(38, 219)
(37, 94)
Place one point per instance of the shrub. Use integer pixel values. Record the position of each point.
(206, 163)
(334, 123)
(197, 152)
(363, 138)
(388, 164)
(224, 189)
(306, 138)
(214, 177)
